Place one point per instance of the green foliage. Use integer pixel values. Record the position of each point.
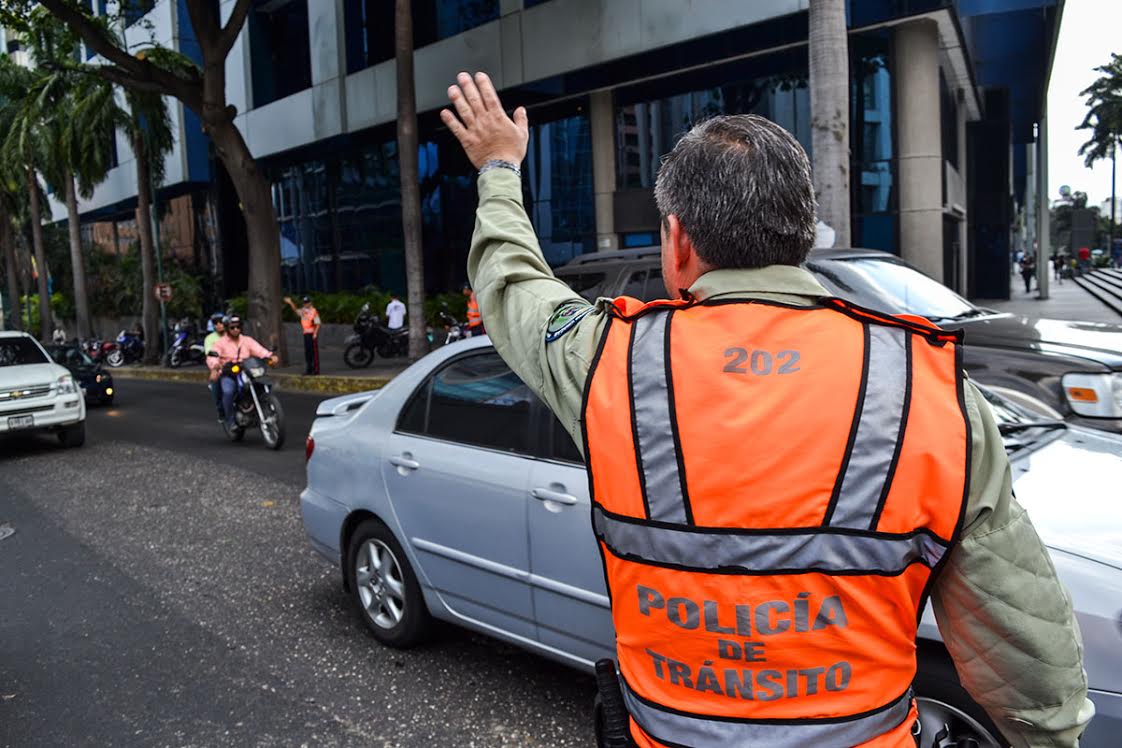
(1104, 115)
(61, 306)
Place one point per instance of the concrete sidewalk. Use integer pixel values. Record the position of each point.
(1067, 301)
(335, 377)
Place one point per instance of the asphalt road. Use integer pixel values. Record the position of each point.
(158, 590)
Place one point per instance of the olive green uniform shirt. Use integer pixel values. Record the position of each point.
(1004, 617)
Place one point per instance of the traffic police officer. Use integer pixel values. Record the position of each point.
(780, 479)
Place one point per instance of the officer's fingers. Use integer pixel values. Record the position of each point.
(522, 120)
(463, 108)
(487, 91)
(471, 93)
(453, 124)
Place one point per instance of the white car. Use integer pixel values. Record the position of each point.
(37, 394)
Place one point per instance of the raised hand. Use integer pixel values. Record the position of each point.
(482, 127)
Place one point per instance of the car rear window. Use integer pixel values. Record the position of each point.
(473, 400)
(20, 352)
(591, 284)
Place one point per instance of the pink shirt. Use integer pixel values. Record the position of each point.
(228, 351)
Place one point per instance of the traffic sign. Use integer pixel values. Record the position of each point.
(163, 292)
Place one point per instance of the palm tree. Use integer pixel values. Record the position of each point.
(148, 126)
(1104, 120)
(23, 148)
(829, 114)
(8, 247)
(407, 143)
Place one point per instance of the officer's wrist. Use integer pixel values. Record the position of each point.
(500, 163)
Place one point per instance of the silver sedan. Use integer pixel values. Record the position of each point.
(453, 493)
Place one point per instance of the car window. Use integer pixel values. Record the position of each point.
(474, 400)
(562, 447)
(20, 352)
(591, 284)
(890, 286)
(636, 285)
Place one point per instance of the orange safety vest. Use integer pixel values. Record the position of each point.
(308, 317)
(474, 317)
(774, 490)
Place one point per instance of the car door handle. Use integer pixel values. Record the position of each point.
(544, 494)
(405, 461)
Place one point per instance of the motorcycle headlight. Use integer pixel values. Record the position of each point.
(257, 371)
(66, 385)
(1094, 395)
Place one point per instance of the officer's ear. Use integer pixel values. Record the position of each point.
(677, 248)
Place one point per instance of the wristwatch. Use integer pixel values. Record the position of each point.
(496, 163)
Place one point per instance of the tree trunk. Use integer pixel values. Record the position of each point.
(407, 166)
(256, 197)
(150, 314)
(77, 262)
(8, 245)
(829, 114)
(45, 321)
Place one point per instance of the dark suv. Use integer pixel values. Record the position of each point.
(1060, 368)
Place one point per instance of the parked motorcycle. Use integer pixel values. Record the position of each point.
(128, 349)
(453, 329)
(370, 337)
(255, 405)
(186, 348)
(98, 349)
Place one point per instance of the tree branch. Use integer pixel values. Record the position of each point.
(233, 27)
(131, 72)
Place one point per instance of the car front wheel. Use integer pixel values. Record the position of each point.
(73, 436)
(947, 714)
(384, 589)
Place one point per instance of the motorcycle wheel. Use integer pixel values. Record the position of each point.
(357, 356)
(175, 359)
(272, 428)
(115, 358)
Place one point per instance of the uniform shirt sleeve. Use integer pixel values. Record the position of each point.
(1006, 620)
(518, 295)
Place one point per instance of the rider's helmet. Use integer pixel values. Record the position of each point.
(233, 320)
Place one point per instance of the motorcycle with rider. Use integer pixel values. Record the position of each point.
(239, 368)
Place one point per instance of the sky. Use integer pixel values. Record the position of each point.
(1089, 32)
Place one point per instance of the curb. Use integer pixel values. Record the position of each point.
(322, 383)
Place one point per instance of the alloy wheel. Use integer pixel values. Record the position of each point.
(380, 585)
(944, 726)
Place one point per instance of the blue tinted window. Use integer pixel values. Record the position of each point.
(369, 25)
(558, 176)
(133, 10)
(279, 49)
(641, 239)
(872, 138)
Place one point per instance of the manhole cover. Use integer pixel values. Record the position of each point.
(6, 531)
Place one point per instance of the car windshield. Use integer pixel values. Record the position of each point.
(71, 356)
(1019, 426)
(889, 285)
(20, 352)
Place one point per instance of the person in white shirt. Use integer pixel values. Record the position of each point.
(395, 313)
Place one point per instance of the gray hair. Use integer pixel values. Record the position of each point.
(741, 187)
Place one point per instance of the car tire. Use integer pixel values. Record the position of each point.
(947, 713)
(73, 436)
(380, 592)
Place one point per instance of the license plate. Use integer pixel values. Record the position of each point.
(21, 422)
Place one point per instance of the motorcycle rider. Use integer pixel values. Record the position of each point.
(218, 330)
(232, 348)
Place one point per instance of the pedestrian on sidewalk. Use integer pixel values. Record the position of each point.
(1028, 269)
(1058, 268)
(395, 313)
(310, 324)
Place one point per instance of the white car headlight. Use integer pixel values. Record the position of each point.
(66, 385)
(1094, 395)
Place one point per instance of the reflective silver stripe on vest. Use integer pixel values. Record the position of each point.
(701, 732)
(765, 552)
(877, 429)
(650, 397)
